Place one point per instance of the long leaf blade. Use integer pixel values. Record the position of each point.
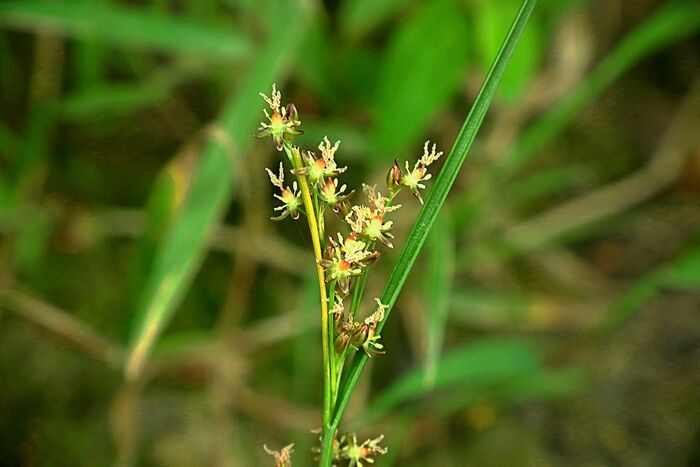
(184, 244)
(438, 194)
(126, 27)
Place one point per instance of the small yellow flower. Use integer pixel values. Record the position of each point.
(413, 179)
(319, 168)
(291, 202)
(284, 122)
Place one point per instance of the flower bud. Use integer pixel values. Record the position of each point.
(341, 342)
(359, 336)
(342, 209)
(393, 177)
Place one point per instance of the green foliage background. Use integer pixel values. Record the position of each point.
(151, 314)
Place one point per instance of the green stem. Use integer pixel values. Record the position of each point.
(428, 213)
(333, 356)
(295, 157)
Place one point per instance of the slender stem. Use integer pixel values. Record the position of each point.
(429, 212)
(319, 217)
(333, 356)
(295, 157)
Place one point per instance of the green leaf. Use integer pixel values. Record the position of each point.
(183, 245)
(436, 198)
(438, 290)
(490, 28)
(480, 364)
(671, 23)
(425, 62)
(125, 27)
(105, 101)
(9, 142)
(631, 301)
(684, 273)
(483, 308)
(359, 17)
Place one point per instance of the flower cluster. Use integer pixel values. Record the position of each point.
(343, 259)
(413, 178)
(284, 122)
(355, 334)
(348, 449)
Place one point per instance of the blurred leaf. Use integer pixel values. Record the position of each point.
(436, 197)
(184, 244)
(315, 69)
(31, 241)
(671, 23)
(631, 301)
(484, 363)
(545, 182)
(126, 27)
(438, 290)
(424, 65)
(486, 308)
(537, 385)
(357, 73)
(9, 142)
(88, 61)
(489, 30)
(359, 17)
(31, 154)
(682, 273)
(117, 99)
(164, 200)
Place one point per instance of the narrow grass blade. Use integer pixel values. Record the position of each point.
(125, 27)
(490, 29)
(671, 23)
(438, 194)
(477, 364)
(183, 245)
(438, 290)
(105, 101)
(682, 274)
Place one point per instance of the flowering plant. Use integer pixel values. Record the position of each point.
(342, 260)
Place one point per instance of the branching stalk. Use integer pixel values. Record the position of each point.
(295, 157)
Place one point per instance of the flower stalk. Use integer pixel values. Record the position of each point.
(310, 207)
(343, 262)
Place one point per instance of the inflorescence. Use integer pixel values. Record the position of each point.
(347, 257)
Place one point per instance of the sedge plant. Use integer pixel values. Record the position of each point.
(343, 259)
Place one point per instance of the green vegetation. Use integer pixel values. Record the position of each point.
(543, 300)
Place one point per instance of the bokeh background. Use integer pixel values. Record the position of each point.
(556, 302)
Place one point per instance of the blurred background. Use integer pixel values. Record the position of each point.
(555, 308)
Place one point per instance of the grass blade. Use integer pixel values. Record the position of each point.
(671, 23)
(483, 363)
(682, 274)
(125, 27)
(183, 245)
(437, 196)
